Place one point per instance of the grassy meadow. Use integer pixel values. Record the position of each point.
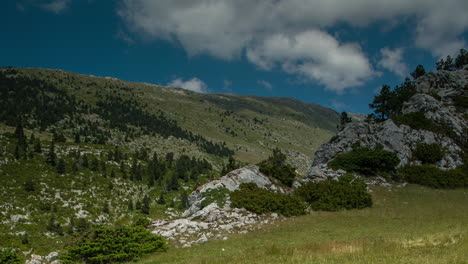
(412, 224)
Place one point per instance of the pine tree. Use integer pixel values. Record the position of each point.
(161, 199)
(382, 103)
(145, 208)
(51, 156)
(61, 166)
(344, 119)
(418, 72)
(37, 146)
(184, 202)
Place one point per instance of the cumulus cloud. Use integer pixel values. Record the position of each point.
(56, 6)
(265, 84)
(194, 84)
(226, 29)
(392, 60)
(315, 55)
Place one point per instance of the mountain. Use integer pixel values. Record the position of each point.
(78, 151)
(139, 114)
(430, 130)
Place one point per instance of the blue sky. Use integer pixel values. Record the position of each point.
(335, 53)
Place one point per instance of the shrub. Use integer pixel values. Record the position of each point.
(461, 103)
(8, 256)
(107, 245)
(429, 175)
(261, 201)
(366, 161)
(217, 196)
(417, 120)
(428, 153)
(331, 195)
(276, 167)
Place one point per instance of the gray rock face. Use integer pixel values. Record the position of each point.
(402, 139)
(230, 181)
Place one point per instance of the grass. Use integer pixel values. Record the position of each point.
(406, 225)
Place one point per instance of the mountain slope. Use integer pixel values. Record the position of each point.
(249, 125)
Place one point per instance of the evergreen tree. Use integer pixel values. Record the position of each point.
(29, 185)
(77, 138)
(145, 207)
(105, 208)
(25, 239)
(382, 103)
(462, 59)
(32, 139)
(61, 166)
(184, 202)
(161, 199)
(51, 156)
(418, 72)
(37, 146)
(344, 119)
(85, 162)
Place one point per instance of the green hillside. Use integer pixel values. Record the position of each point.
(251, 126)
(78, 151)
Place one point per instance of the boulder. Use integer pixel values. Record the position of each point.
(230, 181)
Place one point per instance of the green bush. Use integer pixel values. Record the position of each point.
(217, 196)
(366, 161)
(332, 195)
(261, 201)
(8, 256)
(107, 245)
(428, 153)
(276, 167)
(461, 103)
(429, 175)
(417, 120)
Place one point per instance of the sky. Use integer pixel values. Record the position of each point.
(337, 53)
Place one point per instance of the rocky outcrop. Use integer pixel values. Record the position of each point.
(215, 224)
(400, 139)
(52, 258)
(231, 182)
(200, 223)
(435, 98)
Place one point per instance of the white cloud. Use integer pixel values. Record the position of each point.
(226, 29)
(392, 60)
(265, 84)
(194, 84)
(338, 106)
(315, 55)
(56, 6)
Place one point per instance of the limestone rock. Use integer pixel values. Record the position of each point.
(434, 98)
(230, 181)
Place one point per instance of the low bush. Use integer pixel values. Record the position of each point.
(332, 195)
(107, 245)
(429, 175)
(428, 153)
(8, 256)
(217, 196)
(275, 166)
(261, 201)
(461, 103)
(417, 120)
(366, 161)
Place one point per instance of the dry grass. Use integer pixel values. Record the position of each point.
(407, 225)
